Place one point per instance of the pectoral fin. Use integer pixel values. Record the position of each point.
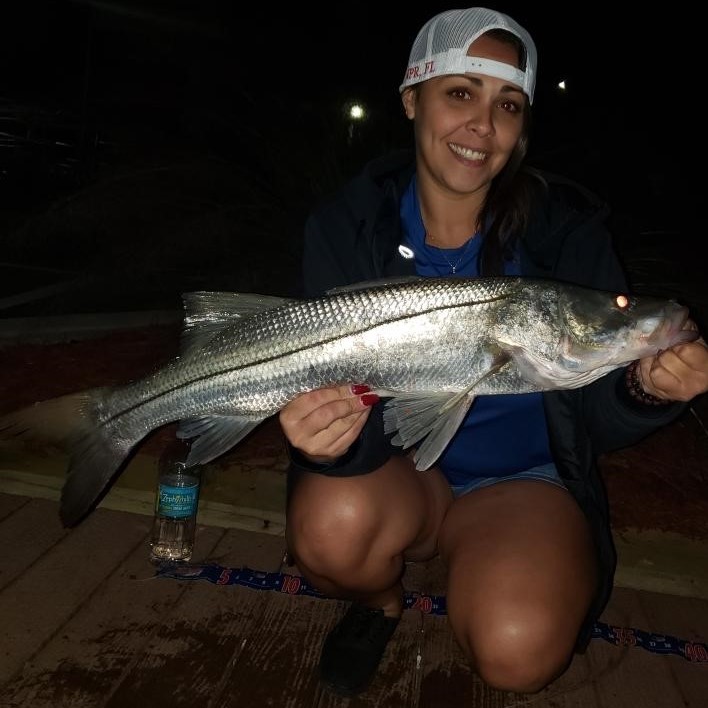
(434, 416)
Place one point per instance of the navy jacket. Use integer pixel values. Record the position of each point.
(354, 237)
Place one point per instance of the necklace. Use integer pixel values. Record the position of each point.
(453, 266)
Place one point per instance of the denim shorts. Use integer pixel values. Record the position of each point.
(542, 473)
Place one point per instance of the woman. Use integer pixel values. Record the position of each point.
(514, 507)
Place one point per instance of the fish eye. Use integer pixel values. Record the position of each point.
(623, 302)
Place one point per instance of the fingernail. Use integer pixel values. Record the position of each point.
(368, 399)
(358, 389)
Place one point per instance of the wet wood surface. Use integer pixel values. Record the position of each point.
(86, 624)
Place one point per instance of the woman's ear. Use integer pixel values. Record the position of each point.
(408, 100)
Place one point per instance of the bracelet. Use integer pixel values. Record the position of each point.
(634, 387)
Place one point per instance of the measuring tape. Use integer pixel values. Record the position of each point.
(696, 652)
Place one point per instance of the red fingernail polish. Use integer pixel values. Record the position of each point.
(358, 389)
(368, 399)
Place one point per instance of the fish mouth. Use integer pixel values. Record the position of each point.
(674, 329)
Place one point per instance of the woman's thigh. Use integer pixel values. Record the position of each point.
(521, 573)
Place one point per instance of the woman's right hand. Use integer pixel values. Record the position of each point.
(323, 424)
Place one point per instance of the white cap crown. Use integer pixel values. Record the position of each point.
(441, 48)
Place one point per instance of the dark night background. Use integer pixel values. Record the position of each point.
(149, 147)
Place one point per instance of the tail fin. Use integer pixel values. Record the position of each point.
(96, 451)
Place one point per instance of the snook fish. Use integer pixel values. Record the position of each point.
(429, 346)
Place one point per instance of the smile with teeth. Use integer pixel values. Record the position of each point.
(468, 153)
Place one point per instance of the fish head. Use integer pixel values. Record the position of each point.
(564, 336)
(605, 330)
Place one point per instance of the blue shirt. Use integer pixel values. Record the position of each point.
(501, 434)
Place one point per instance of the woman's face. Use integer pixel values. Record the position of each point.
(466, 126)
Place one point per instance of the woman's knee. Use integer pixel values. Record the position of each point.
(374, 517)
(516, 652)
(328, 530)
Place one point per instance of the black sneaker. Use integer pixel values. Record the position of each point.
(353, 649)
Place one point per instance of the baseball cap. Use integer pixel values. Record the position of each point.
(442, 43)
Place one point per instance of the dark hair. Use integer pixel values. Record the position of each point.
(505, 213)
(506, 37)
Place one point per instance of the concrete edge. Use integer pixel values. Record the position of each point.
(662, 562)
(143, 502)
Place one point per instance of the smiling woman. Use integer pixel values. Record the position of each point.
(518, 486)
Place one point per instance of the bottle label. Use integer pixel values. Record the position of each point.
(177, 502)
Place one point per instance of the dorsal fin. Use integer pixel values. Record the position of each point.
(207, 313)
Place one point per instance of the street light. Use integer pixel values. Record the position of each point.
(355, 112)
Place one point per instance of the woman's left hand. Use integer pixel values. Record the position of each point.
(676, 374)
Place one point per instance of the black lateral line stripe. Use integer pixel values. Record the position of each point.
(297, 350)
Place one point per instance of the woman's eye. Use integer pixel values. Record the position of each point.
(459, 93)
(510, 106)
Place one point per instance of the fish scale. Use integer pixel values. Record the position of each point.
(350, 336)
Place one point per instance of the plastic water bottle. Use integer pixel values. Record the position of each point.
(176, 502)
